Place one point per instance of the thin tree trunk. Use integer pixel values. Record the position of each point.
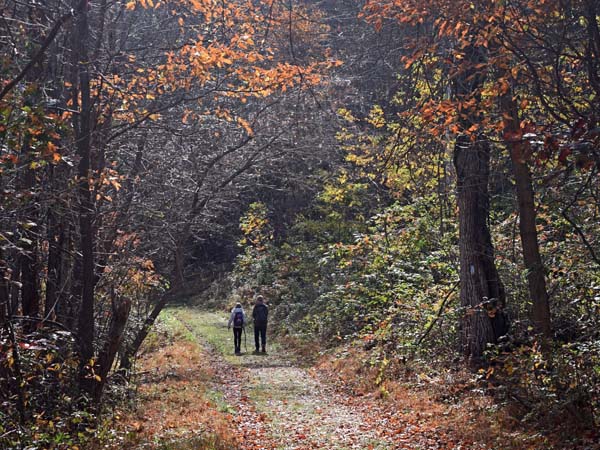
(536, 281)
(4, 292)
(53, 277)
(86, 328)
(120, 313)
(131, 350)
(108, 243)
(28, 259)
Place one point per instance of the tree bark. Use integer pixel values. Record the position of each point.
(481, 291)
(120, 313)
(536, 281)
(82, 125)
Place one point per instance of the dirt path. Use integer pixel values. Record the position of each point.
(275, 403)
(195, 394)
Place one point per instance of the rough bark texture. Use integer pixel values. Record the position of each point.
(481, 292)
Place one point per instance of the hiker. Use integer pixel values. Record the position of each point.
(260, 314)
(238, 319)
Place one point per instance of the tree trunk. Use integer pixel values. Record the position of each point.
(135, 345)
(536, 281)
(4, 292)
(120, 313)
(28, 259)
(481, 292)
(68, 310)
(53, 277)
(82, 125)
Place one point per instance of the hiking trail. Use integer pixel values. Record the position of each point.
(274, 401)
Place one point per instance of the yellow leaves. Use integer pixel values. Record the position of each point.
(147, 264)
(130, 5)
(376, 117)
(115, 184)
(180, 21)
(346, 115)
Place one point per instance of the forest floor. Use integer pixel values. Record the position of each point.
(195, 394)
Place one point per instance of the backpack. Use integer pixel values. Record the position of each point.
(238, 319)
(260, 315)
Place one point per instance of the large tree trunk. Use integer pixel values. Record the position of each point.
(481, 292)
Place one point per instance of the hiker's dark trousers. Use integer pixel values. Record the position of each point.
(260, 330)
(237, 339)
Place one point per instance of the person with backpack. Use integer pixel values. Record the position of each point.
(238, 319)
(260, 314)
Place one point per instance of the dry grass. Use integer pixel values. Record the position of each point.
(174, 409)
(451, 404)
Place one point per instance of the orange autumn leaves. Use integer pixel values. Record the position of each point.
(450, 43)
(225, 50)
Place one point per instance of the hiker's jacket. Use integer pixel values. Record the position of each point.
(233, 312)
(260, 314)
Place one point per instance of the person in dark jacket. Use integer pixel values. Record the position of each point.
(260, 314)
(238, 320)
